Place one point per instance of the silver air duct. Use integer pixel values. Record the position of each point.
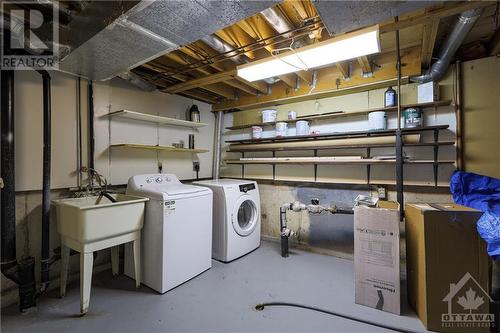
(137, 81)
(222, 47)
(281, 25)
(462, 27)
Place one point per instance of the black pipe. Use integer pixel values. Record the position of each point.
(23, 272)
(45, 260)
(284, 237)
(91, 125)
(8, 216)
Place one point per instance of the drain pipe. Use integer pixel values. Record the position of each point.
(313, 208)
(462, 27)
(219, 121)
(45, 260)
(22, 272)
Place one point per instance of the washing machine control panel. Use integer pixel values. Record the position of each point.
(153, 180)
(247, 187)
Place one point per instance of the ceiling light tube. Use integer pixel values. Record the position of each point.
(348, 46)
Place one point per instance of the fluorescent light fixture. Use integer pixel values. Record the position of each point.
(344, 47)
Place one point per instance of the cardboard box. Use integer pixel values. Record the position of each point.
(428, 92)
(376, 256)
(447, 268)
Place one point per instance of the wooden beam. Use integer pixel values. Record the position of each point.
(326, 86)
(449, 9)
(202, 81)
(343, 68)
(261, 87)
(222, 90)
(365, 64)
(494, 43)
(199, 96)
(242, 86)
(428, 40)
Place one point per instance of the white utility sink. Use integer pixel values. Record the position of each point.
(84, 220)
(94, 223)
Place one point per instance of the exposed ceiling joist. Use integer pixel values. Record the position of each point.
(428, 40)
(260, 86)
(202, 81)
(365, 64)
(343, 68)
(326, 84)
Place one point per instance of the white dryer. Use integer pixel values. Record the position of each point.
(177, 233)
(236, 217)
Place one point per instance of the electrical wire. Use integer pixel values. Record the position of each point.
(260, 307)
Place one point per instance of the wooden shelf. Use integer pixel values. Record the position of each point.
(365, 161)
(345, 114)
(155, 119)
(340, 135)
(420, 144)
(159, 148)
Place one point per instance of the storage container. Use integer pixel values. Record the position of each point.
(377, 120)
(302, 127)
(268, 116)
(256, 132)
(281, 129)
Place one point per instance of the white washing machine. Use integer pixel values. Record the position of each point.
(236, 219)
(176, 241)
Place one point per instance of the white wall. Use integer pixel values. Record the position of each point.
(29, 130)
(118, 164)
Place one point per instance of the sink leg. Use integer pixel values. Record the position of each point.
(137, 262)
(64, 268)
(115, 260)
(86, 262)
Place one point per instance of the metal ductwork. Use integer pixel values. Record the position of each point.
(464, 24)
(137, 81)
(145, 30)
(222, 47)
(281, 25)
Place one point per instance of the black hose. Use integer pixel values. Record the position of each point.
(260, 307)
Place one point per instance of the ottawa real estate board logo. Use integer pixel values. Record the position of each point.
(468, 305)
(30, 35)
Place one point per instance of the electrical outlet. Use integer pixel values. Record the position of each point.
(196, 166)
(382, 193)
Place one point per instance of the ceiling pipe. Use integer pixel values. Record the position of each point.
(221, 46)
(464, 24)
(281, 25)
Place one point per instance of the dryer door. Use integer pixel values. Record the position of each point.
(244, 215)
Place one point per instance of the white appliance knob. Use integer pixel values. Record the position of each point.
(148, 180)
(158, 179)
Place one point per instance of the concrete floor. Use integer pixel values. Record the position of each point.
(219, 300)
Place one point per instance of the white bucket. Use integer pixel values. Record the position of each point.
(256, 132)
(281, 129)
(268, 116)
(302, 127)
(377, 121)
(292, 115)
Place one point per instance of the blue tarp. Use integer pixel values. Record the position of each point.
(481, 193)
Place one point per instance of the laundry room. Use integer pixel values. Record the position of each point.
(250, 166)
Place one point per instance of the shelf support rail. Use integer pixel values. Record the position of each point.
(219, 121)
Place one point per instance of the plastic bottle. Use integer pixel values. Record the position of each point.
(390, 97)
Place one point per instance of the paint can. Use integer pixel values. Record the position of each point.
(292, 115)
(413, 117)
(377, 120)
(268, 116)
(302, 127)
(256, 132)
(281, 129)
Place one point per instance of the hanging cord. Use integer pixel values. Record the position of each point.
(260, 307)
(275, 54)
(90, 190)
